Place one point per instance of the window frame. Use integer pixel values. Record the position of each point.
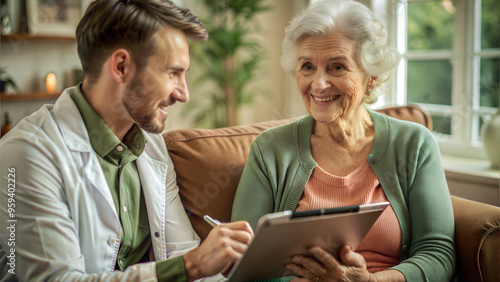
(465, 56)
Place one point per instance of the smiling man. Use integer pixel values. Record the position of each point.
(87, 183)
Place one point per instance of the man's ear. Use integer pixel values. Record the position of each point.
(121, 65)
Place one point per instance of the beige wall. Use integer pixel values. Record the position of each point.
(282, 100)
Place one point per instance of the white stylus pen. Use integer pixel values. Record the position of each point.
(211, 221)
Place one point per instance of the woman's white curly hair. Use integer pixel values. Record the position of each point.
(358, 23)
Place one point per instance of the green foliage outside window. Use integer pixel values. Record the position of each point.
(429, 82)
(490, 21)
(489, 83)
(490, 68)
(431, 27)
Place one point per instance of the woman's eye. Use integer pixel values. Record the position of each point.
(338, 67)
(307, 67)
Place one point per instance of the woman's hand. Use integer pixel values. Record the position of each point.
(324, 267)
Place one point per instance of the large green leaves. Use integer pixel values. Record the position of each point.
(229, 60)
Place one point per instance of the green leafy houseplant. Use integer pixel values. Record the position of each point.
(6, 80)
(228, 61)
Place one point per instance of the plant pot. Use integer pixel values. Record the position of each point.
(2, 87)
(490, 134)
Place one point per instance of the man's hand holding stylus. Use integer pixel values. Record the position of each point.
(225, 244)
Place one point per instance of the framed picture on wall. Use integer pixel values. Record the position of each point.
(54, 17)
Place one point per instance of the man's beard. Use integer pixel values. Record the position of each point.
(136, 102)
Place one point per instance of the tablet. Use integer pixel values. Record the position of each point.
(281, 235)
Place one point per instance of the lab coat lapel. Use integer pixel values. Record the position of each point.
(95, 176)
(153, 175)
(77, 140)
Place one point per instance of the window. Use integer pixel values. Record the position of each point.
(451, 65)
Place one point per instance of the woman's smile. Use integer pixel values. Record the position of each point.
(325, 99)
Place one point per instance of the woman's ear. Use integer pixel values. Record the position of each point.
(373, 82)
(120, 65)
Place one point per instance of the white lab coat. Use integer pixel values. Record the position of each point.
(67, 227)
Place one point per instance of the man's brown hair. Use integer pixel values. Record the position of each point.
(130, 24)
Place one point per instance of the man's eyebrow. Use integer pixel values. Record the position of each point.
(177, 68)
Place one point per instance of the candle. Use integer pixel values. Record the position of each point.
(51, 83)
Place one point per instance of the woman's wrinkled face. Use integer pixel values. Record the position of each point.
(330, 79)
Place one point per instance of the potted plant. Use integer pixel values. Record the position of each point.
(6, 80)
(229, 61)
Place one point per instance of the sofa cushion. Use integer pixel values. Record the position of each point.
(209, 163)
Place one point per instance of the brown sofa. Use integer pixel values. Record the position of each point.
(209, 163)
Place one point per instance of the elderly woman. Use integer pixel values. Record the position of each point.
(344, 154)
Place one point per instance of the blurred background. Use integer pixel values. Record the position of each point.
(451, 62)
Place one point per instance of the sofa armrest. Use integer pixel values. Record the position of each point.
(477, 239)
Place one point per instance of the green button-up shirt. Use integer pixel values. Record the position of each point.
(118, 162)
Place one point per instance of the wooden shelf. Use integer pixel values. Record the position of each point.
(31, 96)
(39, 38)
